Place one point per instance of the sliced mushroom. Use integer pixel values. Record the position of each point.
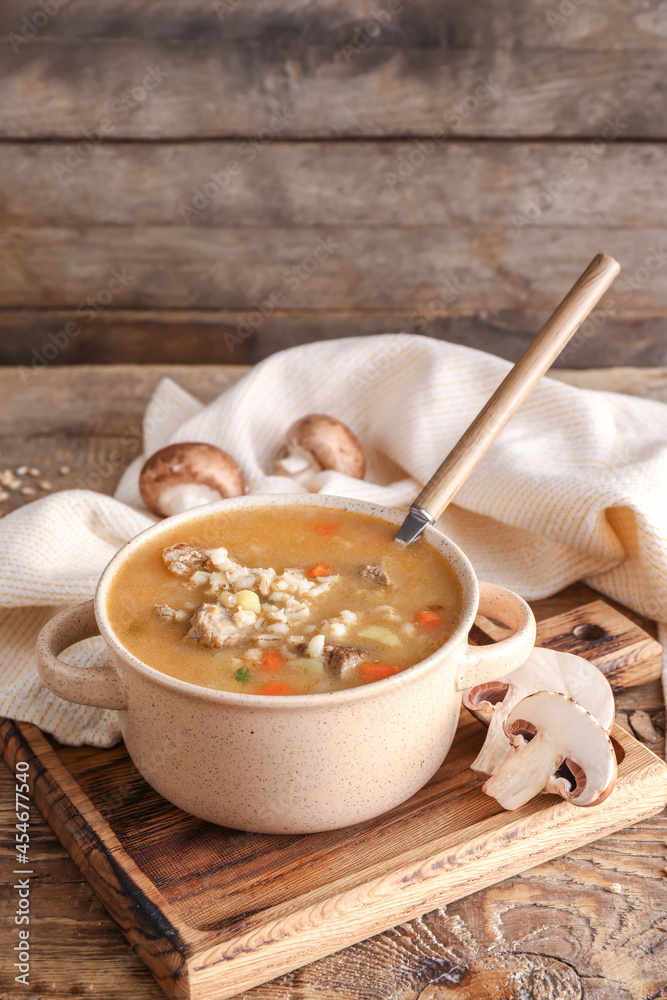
(558, 747)
(544, 670)
(318, 442)
(187, 475)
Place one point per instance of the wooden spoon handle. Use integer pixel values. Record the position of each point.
(510, 394)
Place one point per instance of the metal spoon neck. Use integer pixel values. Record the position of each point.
(417, 520)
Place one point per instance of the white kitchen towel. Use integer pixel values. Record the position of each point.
(575, 488)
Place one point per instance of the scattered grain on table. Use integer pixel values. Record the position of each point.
(9, 480)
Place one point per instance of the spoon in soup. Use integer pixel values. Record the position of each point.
(566, 319)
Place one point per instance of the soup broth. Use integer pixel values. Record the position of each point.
(283, 600)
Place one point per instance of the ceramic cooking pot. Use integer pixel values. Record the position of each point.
(290, 764)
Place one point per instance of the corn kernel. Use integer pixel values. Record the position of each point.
(248, 600)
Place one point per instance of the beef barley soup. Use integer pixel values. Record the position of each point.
(283, 600)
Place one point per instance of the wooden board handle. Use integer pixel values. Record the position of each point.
(510, 394)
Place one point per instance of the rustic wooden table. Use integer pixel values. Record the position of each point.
(558, 930)
(170, 169)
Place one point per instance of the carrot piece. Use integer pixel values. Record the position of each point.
(376, 671)
(319, 569)
(428, 619)
(322, 528)
(276, 688)
(272, 662)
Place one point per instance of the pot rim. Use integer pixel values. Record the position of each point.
(454, 555)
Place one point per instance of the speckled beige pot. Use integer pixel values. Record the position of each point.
(293, 764)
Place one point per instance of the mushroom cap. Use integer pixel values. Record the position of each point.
(186, 475)
(585, 746)
(482, 699)
(546, 670)
(331, 443)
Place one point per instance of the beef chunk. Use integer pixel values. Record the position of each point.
(183, 559)
(212, 625)
(375, 574)
(342, 659)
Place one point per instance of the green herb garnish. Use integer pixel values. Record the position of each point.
(242, 675)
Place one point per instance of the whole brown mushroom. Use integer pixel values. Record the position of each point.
(187, 475)
(318, 442)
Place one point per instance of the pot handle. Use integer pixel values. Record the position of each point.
(486, 663)
(100, 685)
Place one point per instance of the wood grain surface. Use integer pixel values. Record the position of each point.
(588, 925)
(212, 911)
(309, 268)
(466, 159)
(602, 24)
(207, 86)
(344, 183)
(182, 336)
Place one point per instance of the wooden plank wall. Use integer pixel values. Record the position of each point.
(213, 180)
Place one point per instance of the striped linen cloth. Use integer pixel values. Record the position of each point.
(575, 488)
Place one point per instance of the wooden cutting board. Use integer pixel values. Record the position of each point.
(213, 911)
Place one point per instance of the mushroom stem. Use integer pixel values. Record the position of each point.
(495, 750)
(525, 772)
(296, 462)
(184, 496)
